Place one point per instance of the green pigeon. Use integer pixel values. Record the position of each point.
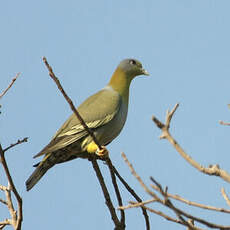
(105, 114)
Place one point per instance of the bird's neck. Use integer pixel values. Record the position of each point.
(120, 83)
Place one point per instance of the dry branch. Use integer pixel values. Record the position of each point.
(212, 170)
(4, 223)
(16, 217)
(118, 195)
(225, 196)
(9, 86)
(192, 203)
(106, 193)
(224, 123)
(183, 217)
(132, 192)
(17, 143)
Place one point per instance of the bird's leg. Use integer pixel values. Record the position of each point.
(93, 148)
(103, 152)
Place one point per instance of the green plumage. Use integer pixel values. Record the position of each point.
(104, 112)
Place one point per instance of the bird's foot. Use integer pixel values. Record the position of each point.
(103, 152)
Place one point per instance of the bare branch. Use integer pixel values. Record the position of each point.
(139, 178)
(224, 123)
(167, 202)
(212, 170)
(192, 203)
(3, 201)
(169, 218)
(136, 204)
(3, 188)
(119, 199)
(17, 219)
(132, 192)
(106, 194)
(10, 85)
(225, 196)
(10, 205)
(17, 143)
(5, 223)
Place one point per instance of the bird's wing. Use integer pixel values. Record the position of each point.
(96, 111)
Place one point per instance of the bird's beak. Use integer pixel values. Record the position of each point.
(144, 72)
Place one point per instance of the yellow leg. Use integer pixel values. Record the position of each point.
(93, 148)
(102, 152)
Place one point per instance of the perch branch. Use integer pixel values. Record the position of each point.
(212, 170)
(106, 193)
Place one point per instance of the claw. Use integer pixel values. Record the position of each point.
(102, 152)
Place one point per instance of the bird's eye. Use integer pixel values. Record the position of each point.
(132, 62)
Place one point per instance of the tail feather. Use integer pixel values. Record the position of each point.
(41, 169)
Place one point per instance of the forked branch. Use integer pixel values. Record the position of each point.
(183, 217)
(212, 170)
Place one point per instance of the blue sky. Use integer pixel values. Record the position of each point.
(183, 44)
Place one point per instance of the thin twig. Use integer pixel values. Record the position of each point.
(212, 170)
(181, 213)
(227, 199)
(17, 143)
(192, 203)
(118, 195)
(169, 218)
(166, 202)
(3, 201)
(5, 223)
(202, 221)
(139, 178)
(137, 204)
(3, 188)
(106, 193)
(224, 123)
(12, 187)
(17, 218)
(132, 192)
(10, 205)
(10, 85)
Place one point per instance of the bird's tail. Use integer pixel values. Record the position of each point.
(41, 169)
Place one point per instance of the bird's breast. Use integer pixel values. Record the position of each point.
(112, 129)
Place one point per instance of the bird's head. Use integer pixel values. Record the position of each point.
(124, 74)
(132, 68)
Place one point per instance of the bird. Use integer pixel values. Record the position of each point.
(104, 112)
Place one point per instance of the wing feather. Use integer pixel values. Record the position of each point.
(95, 112)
